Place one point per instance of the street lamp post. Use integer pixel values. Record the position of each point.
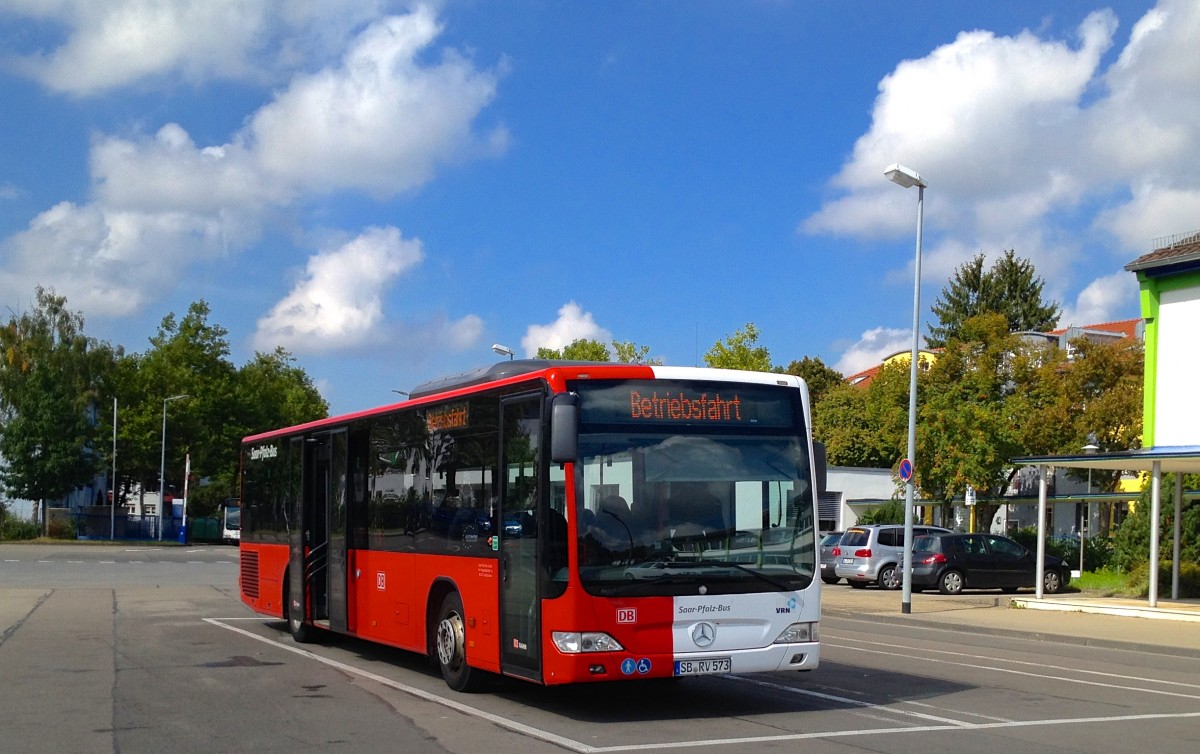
(908, 178)
(503, 350)
(112, 489)
(162, 466)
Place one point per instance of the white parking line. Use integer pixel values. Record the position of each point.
(977, 666)
(413, 691)
(1040, 665)
(567, 743)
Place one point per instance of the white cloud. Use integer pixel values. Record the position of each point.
(1029, 143)
(872, 348)
(436, 334)
(573, 324)
(1105, 299)
(376, 122)
(339, 302)
(105, 262)
(979, 118)
(379, 122)
(118, 43)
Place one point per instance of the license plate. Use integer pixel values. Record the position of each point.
(704, 667)
(847, 561)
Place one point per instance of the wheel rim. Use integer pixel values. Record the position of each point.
(1051, 581)
(953, 582)
(450, 638)
(888, 578)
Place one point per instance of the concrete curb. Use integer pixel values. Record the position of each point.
(1132, 611)
(1023, 634)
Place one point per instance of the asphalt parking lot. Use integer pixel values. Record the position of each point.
(1071, 617)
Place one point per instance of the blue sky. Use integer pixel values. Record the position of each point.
(386, 189)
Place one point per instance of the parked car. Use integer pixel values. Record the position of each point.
(873, 554)
(953, 562)
(828, 542)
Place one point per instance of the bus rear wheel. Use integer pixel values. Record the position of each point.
(451, 646)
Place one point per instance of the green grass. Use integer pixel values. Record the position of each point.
(1106, 583)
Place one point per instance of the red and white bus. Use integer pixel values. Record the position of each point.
(554, 521)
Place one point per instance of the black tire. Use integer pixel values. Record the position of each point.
(1009, 589)
(830, 580)
(951, 582)
(450, 646)
(302, 633)
(1052, 581)
(857, 584)
(887, 578)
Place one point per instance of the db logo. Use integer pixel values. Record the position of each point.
(626, 615)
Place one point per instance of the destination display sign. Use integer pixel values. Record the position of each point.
(451, 416)
(667, 402)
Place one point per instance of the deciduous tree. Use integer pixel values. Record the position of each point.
(820, 377)
(631, 353)
(582, 349)
(51, 376)
(740, 351)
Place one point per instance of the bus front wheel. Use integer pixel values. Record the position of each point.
(451, 638)
(301, 631)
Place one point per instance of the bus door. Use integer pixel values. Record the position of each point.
(323, 523)
(519, 521)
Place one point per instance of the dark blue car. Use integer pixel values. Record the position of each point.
(953, 562)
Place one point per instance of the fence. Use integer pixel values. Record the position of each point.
(101, 522)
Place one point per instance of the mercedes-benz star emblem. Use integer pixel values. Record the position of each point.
(703, 634)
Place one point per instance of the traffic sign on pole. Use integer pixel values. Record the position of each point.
(906, 470)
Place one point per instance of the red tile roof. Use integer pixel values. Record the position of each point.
(1125, 327)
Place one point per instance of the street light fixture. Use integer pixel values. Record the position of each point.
(162, 466)
(907, 178)
(503, 350)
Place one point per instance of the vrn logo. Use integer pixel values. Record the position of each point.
(789, 607)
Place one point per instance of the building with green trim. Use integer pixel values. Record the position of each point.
(1169, 278)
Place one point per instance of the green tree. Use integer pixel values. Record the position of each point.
(820, 377)
(1010, 287)
(581, 349)
(269, 392)
(631, 353)
(890, 512)
(51, 378)
(272, 392)
(740, 351)
(966, 432)
(188, 356)
(866, 426)
(1132, 538)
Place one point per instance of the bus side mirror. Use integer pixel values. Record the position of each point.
(819, 464)
(564, 428)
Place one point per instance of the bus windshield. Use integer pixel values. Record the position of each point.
(706, 513)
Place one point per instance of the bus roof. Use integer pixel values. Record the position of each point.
(495, 372)
(513, 369)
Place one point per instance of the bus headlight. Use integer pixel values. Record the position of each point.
(575, 642)
(798, 632)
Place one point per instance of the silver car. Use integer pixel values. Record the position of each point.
(829, 540)
(873, 554)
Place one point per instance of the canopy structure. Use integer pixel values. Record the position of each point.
(1178, 460)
